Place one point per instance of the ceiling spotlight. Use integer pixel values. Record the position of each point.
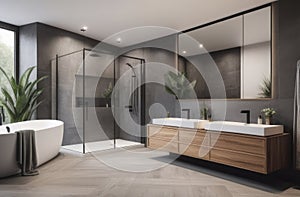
(119, 40)
(84, 28)
(184, 52)
(200, 45)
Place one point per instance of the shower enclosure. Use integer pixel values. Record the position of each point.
(100, 98)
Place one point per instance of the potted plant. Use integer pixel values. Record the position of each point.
(21, 103)
(205, 113)
(268, 112)
(178, 85)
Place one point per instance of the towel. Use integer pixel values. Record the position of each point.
(297, 119)
(26, 152)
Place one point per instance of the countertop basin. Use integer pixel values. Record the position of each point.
(243, 128)
(181, 122)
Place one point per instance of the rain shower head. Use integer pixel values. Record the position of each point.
(95, 55)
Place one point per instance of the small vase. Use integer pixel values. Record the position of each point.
(268, 120)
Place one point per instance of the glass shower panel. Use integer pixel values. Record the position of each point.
(99, 84)
(128, 98)
(68, 91)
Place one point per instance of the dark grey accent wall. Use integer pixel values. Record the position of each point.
(157, 51)
(28, 48)
(155, 93)
(39, 43)
(288, 51)
(52, 41)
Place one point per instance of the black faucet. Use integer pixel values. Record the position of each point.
(188, 112)
(248, 115)
(2, 116)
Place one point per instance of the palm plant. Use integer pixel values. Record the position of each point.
(266, 88)
(22, 103)
(178, 85)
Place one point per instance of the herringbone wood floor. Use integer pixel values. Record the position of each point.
(72, 174)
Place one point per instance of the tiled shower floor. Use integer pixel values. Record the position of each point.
(101, 145)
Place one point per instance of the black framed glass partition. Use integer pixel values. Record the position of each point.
(86, 100)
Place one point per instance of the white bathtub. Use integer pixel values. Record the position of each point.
(48, 139)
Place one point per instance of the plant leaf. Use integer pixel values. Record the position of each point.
(25, 76)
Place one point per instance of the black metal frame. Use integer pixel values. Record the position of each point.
(143, 92)
(15, 29)
(227, 18)
(143, 96)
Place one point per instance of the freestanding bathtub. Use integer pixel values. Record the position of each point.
(48, 139)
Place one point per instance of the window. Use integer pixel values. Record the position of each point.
(7, 56)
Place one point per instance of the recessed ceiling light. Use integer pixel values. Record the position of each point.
(84, 28)
(184, 52)
(119, 40)
(200, 45)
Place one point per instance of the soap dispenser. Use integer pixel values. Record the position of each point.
(259, 120)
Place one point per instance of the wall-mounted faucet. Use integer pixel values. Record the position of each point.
(2, 116)
(248, 115)
(188, 112)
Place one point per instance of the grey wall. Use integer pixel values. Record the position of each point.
(39, 43)
(28, 48)
(52, 41)
(288, 50)
(154, 93)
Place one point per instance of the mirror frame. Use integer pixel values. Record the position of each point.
(272, 73)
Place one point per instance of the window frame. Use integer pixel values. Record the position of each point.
(15, 29)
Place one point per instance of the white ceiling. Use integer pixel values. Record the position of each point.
(107, 17)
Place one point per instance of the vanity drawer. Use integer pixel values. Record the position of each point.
(163, 145)
(165, 133)
(246, 161)
(194, 151)
(193, 137)
(246, 144)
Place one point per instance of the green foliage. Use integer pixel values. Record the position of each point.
(268, 112)
(22, 102)
(178, 85)
(266, 88)
(108, 91)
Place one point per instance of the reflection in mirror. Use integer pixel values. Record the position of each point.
(256, 67)
(240, 47)
(223, 41)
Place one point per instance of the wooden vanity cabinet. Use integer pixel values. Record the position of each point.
(255, 153)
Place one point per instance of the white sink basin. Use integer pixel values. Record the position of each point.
(243, 128)
(181, 122)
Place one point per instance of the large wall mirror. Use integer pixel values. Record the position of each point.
(240, 47)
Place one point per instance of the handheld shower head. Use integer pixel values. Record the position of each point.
(134, 75)
(129, 65)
